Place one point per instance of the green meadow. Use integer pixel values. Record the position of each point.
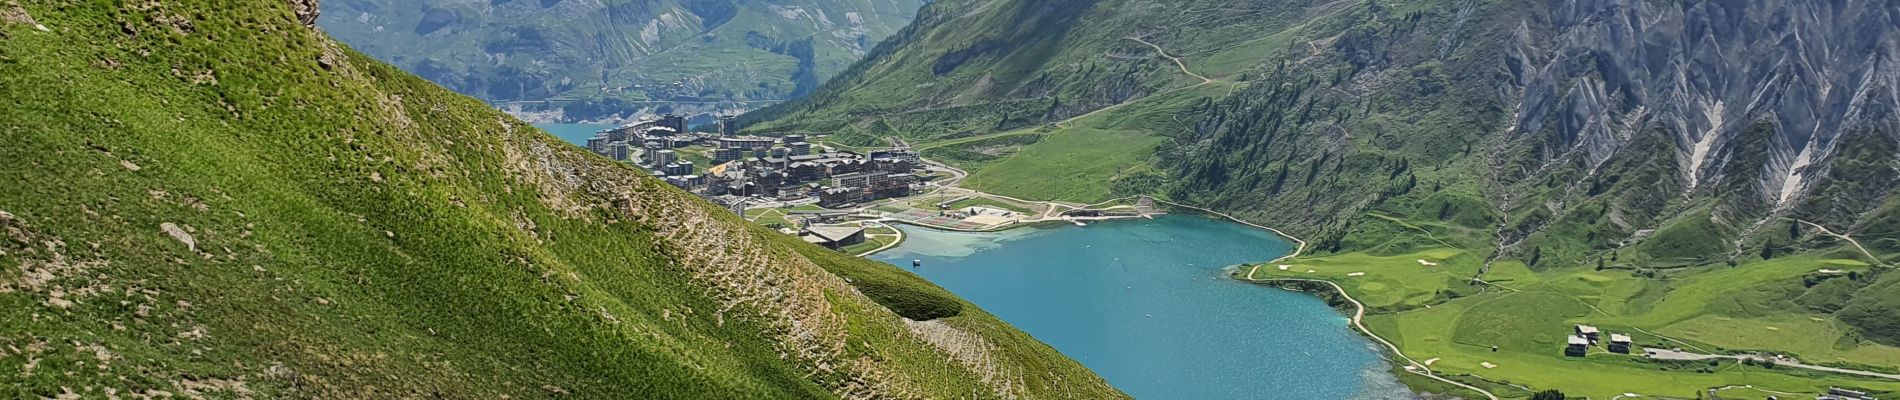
(1436, 314)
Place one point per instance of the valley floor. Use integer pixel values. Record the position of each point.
(1505, 336)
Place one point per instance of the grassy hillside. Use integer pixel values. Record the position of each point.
(1424, 302)
(216, 200)
(581, 60)
(970, 67)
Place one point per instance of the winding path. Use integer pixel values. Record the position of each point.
(1358, 316)
(1177, 60)
(1850, 240)
(887, 246)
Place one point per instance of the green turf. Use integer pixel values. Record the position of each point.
(1070, 164)
(989, 202)
(1431, 314)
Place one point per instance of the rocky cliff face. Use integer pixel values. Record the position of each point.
(1686, 130)
(306, 10)
(1593, 77)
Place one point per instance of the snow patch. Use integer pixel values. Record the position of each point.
(1699, 154)
(1792, 184)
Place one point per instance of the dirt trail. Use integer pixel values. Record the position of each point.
(1850, 240)
(1177, 60)
(1358, 315)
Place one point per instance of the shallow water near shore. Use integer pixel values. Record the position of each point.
(574, 133)
(1148, 306)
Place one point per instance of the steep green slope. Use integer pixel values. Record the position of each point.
(215, 200)
(967, 67)
(616, 59)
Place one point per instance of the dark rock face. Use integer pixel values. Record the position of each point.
(1753, 102)
(1706, 70)
(306, 10)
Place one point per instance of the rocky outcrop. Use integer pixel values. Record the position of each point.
(1753, 100)
(306, 11)
(1706, 70)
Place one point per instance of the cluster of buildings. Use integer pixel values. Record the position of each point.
(1585, 336)
(746, 168)
(833, 179)
(648, 141)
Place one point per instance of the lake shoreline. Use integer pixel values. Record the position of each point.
(1330, 292)
(1009, 274)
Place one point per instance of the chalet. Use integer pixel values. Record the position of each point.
(803, 172)
(855, 180)
(834, 237)
(845, 166)
(1578, 345)
(748, 143)
(901, 154)
(724, 155)
(894, 165)
(1620, 343)
(836, 197)
(1588, 332)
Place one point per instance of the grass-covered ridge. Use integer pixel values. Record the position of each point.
(209, 198)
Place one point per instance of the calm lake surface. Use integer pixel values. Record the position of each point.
(574, 133)
(1147, 305)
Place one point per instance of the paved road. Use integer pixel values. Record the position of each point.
(1666, 354)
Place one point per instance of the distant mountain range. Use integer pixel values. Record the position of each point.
(1637, 121)
(603, 61)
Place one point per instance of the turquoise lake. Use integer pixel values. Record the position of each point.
(574, 133)
(1148, 306)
